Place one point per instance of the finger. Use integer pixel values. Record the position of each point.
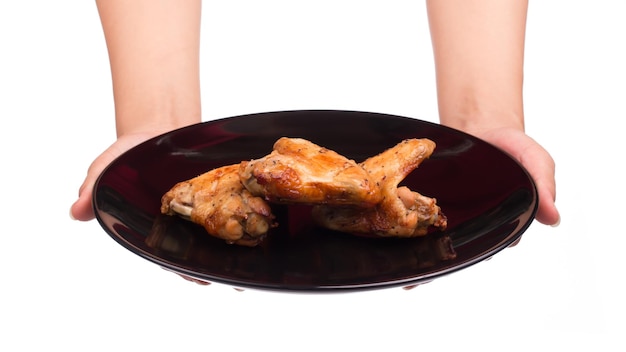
(197, 281)
(410, 287)
(82, 209)
(542, 168)
(515, 243)
(547, 213)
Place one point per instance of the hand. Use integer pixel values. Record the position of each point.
(537, 162)
(82, 209)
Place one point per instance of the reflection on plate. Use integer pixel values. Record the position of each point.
(489, 200)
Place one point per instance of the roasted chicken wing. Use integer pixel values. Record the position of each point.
(402, 212)
(218, 201)
(299, 171)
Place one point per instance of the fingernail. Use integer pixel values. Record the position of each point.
(72, 215)
(557, 223)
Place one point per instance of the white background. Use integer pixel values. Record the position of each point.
(68, 286)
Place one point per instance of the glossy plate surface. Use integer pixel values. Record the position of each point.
(489, 200)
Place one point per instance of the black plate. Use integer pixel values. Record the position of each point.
(489, 199)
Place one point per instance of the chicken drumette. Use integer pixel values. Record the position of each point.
(218, 201)
(402, 212)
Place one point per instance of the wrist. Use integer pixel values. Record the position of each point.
(480, 123)
(155, 122)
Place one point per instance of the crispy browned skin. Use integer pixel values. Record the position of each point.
(218, 201)
(402, 212)
(299, 171)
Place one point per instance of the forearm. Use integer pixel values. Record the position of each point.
(479, 52)
(154, 54)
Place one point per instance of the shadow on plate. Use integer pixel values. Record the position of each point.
(296, 256)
